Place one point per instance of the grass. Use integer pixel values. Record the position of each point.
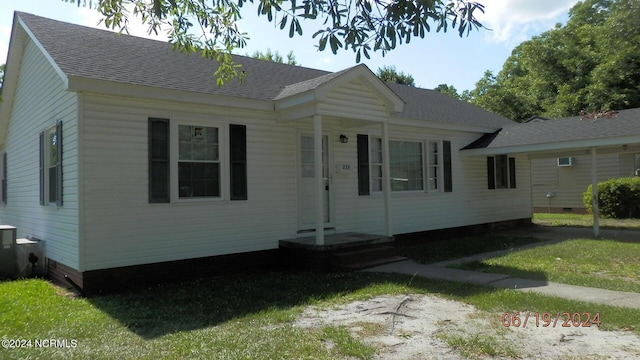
(578, 220)
(605, 264)
(449, 249)
(237, 316)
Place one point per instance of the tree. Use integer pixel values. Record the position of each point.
(275, 57)
(449, 90)
(590, 64)
(360, 25)
(2, 75)
(390, 74)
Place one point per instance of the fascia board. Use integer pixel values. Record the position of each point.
(556, 146)
(81, 84)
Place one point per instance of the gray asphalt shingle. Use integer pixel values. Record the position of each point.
(624, 123)
(104, 55)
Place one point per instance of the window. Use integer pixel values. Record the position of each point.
(636, 169)
(197, 162)
(409, 162)
(406, 165)
(501, 172)
(51, 165)
(376, 164)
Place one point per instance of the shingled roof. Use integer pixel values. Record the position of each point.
(576, 131)
(104, 55)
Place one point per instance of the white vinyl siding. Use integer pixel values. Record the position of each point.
(121, 226)
(470, 203)
(568, 183)
(41, 101)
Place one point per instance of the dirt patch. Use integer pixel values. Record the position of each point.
(429, 327)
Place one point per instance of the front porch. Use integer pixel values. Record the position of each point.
(339, 252)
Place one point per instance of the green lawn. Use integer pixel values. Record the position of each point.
(606, 264)
(235, 317)
(435, 251)
(583, 221)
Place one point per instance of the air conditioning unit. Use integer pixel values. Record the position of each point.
(565, 161)
(8, 252)
(30, 260)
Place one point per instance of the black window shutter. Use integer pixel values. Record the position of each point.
(158, 160)
(42, 168)
(363, 165)
(491, 174)
(4, 178)
(238, 157)
(59, 164)
(512, 173)
(446, 157)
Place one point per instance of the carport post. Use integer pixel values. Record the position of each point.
(594, 194)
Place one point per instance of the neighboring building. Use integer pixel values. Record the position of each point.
(559, 182)
(126, 159)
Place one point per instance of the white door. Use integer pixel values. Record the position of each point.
(306, 189)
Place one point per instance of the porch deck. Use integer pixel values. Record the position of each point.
(340, 252)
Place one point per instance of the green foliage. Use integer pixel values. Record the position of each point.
(590, 64)
(449, 90)
(617, 198)
(390, 74)
(210, 27)
(275, 57)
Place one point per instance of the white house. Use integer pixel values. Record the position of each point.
(127, 160)
(558, 182)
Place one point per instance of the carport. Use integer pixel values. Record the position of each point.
(591, 134)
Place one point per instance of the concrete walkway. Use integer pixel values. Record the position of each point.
(439, 270)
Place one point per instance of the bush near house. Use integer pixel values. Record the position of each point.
(617, 198)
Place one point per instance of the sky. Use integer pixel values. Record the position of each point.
(439, 58)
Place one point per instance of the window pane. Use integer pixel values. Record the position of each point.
(198, 143)
(502, 174)
(406, 165)
(198, 179)
(53, 148)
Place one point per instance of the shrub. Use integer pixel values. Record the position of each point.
(617, 198)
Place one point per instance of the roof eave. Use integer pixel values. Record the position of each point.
(554, 146)
(106, 87)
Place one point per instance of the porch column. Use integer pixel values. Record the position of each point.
(594, 194)
(386, 179)
(318, 178)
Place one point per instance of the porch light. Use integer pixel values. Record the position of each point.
(344, 139)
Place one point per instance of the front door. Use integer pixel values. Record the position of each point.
(306, 190)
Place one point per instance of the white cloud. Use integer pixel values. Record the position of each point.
(513, 21)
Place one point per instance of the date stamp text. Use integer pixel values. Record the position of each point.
(548, 319)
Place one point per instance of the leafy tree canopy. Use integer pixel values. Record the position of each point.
(363, 26)
(275, 57)
(590, 64)
(390, 74)
(1, 75)
(449, 90)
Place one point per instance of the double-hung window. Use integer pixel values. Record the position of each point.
(501, 172)
(51, 165)
(196, 161)
(415, 165)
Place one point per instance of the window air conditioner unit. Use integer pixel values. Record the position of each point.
(565, 161)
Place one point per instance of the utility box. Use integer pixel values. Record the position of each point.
(8, 252)
(31, 260)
